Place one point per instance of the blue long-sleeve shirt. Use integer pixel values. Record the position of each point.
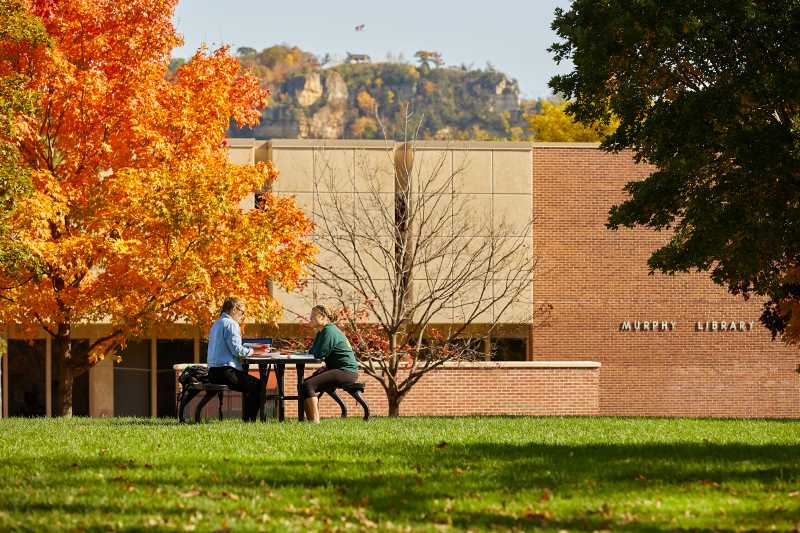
(225, 343)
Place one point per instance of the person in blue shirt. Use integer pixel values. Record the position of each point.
(224, 352)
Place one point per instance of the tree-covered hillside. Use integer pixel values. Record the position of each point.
(360, 99)
(313, 98)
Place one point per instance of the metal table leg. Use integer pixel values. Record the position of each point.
(262, 391)
(279, 370)
(300, 369)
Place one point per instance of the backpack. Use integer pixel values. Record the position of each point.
(192, 375)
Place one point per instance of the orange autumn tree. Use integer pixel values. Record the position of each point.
(134, 219)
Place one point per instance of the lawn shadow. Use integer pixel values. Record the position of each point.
(412, 483)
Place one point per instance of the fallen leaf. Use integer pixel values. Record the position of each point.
(546, 496)
(539, 515)
(189, 494)
(361, 516)
(795, 493)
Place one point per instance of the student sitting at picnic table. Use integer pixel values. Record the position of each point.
(340, 368)
(224, 351)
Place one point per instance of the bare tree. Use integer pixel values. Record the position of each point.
(420, 275)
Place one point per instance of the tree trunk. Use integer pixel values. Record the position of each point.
(62, 354)
(394, 399)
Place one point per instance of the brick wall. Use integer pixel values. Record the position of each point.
(512, 388)
(596, 279)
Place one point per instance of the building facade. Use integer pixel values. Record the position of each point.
(666, 345)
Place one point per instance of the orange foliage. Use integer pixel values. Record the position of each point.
(135, 217)
(364, 127)
(365, 102)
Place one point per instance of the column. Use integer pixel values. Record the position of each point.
(48, 375)
(101, 388)
(153, 377)
(4, 372)
(529, 344)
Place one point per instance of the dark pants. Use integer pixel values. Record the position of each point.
(327, 379)
(243, 382)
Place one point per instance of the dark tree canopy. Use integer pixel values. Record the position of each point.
(709, 93)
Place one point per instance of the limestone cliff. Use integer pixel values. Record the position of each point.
(341, 102)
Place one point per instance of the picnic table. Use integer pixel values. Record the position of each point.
(277, 361)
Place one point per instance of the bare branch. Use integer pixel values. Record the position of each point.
(426, 278)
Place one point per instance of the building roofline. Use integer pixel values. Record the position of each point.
(379, 144)
(239, 142)
(566, 145)
(247, 142)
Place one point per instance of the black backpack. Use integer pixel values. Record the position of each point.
(193, 375)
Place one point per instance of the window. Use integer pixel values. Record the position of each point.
(132, 380)
(509, 350)
(170, 352)
(26, 378)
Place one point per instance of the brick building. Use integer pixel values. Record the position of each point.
(598, 283)
(619, 341)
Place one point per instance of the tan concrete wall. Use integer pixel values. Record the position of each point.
(487, 182)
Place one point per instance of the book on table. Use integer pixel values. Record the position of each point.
(282, 355)
(300, 355)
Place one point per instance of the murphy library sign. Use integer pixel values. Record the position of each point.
(671, 325)
(617, 340)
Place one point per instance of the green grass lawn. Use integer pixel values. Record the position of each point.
(400, 474)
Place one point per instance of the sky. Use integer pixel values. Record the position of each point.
(512, 35)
